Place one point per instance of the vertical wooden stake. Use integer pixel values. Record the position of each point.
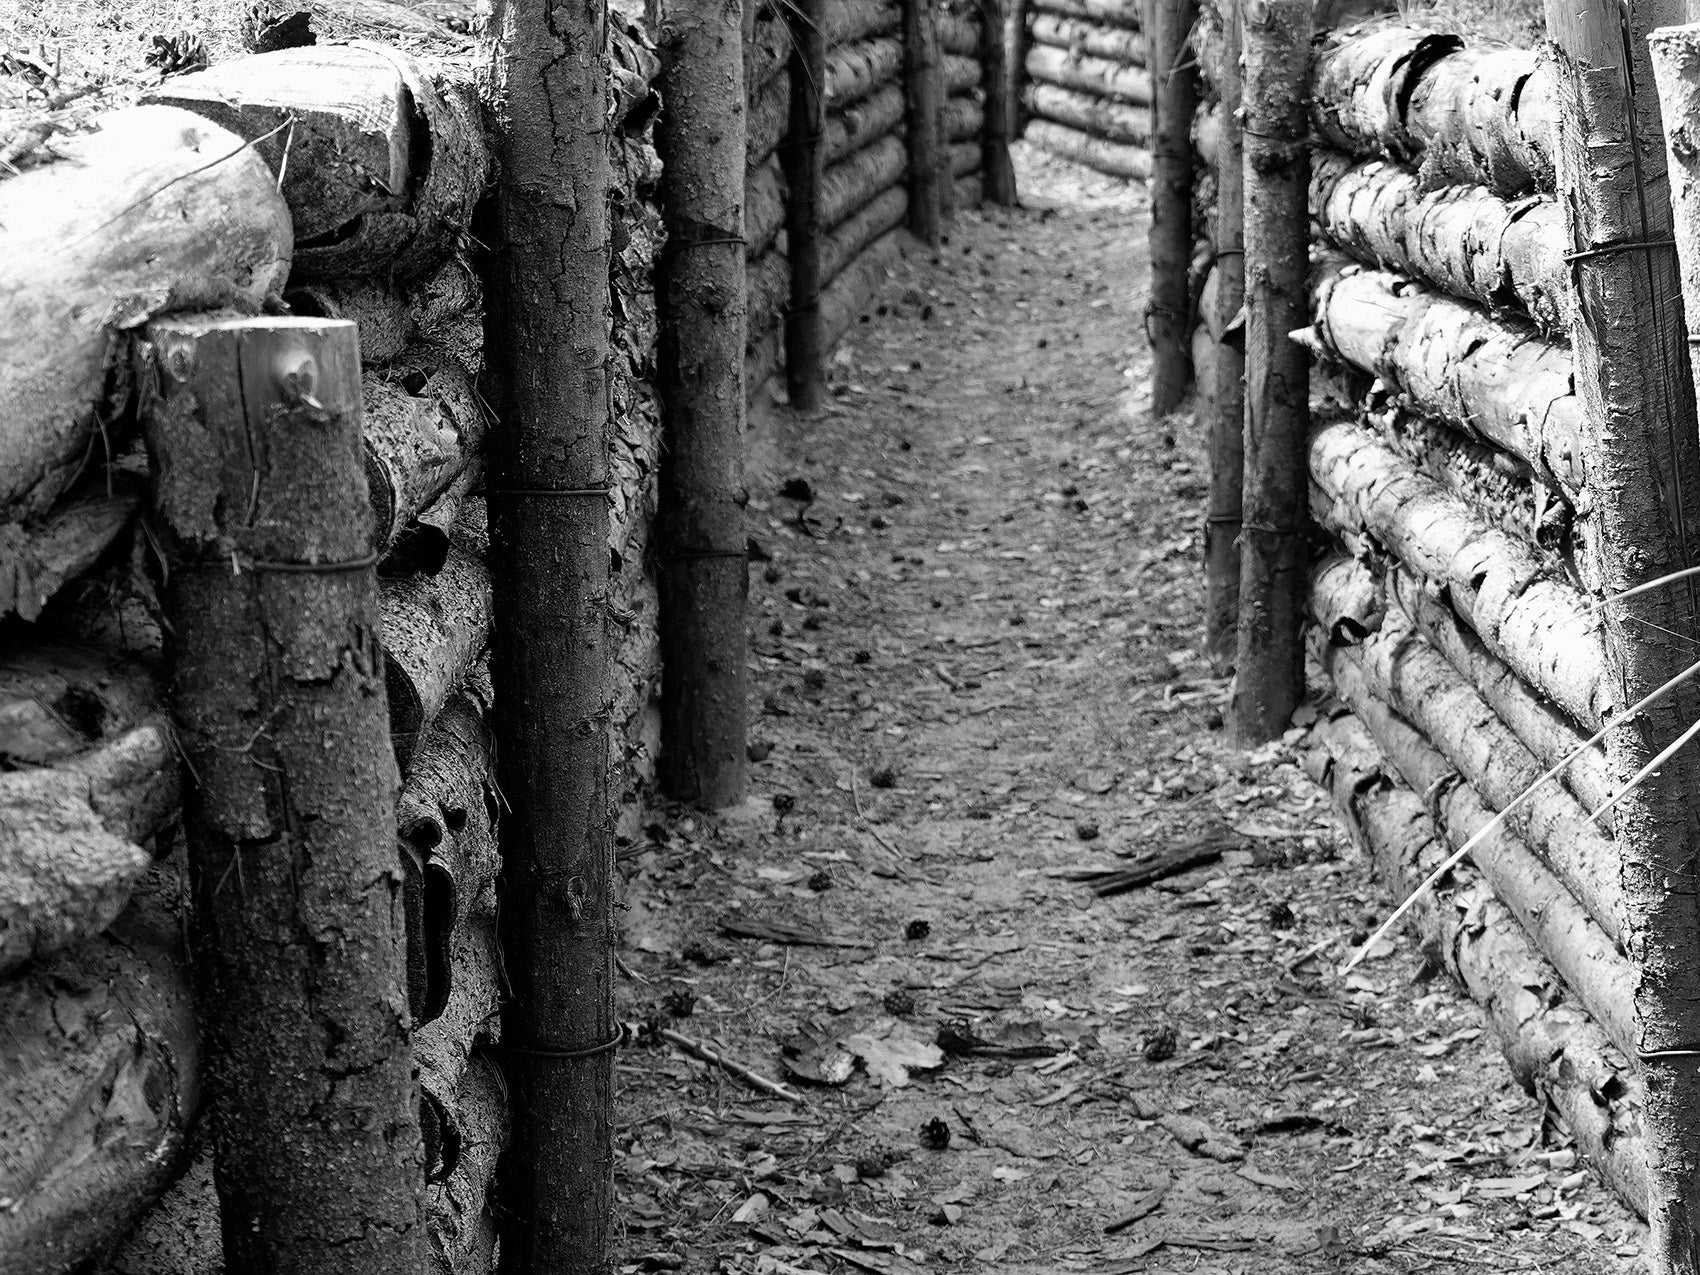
(805, 355)
(260, 499)
(1017, 36)
(1269, 661)
(996, 171)
(923, 92)
(1168, 314)
(548, 314)
(704, 576)
(1642, 458)
(1227, 427)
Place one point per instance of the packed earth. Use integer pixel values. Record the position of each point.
(963, 1026)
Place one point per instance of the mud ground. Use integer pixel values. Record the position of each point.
(976, 664)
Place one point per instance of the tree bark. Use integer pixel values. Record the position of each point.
(1269, 661)
(260, 498)
(704, 577)
(847, 21)
(850, 239)
(805, 341)
(1092, 115)
(924, 100)
(998, 92)
(853, 183)
(1509, 594)
(959, 33)
(963, 120)
(770, 108)
(855, 70)
(764, 208)
(1643, 464)
(1090, 37)
(1556, 1053)
(863, 123)
(1112, 158)
(40, 557)
(423, 425)
(1493, 377)
(1227, 371)
(1168, 309)
(1127, 14)
(550, 474)
(1464, 240)
(1114, 80)
(132, 222)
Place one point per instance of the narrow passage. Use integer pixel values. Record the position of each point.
(979, 696)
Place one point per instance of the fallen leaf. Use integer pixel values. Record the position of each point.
(751, 1208)
(890, 1051)
(1251, 1173)
(1006, 1173)
(1199, 1138)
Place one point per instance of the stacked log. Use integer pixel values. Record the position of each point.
(373, 205)
(767, 93)
(1087, 92)
(962, 129)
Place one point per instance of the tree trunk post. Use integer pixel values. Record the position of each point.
(1168, 314)
(1017, 35)
(548, 319)
(1642, 458)
(923, 89)
(260, 498)
(704, 568)
(805, 359)
(1227, 428)
(996, 170)
(1269, 659)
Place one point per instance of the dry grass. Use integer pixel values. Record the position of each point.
(1519, 23)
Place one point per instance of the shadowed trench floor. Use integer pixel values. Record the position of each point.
(975, 668)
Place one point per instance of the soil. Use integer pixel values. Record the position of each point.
(977, 665)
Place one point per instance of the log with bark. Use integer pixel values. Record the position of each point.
(848, 296)
(434, 628)
(102, 1081)
(1510, 595)
(802, 155)
(1207, 134)
(41, 556)
(764, 357)
(964, 159)
(1113, 158)
(157, 211)
(380, 165)
(443, 310)
(1116, 81)
(855, 70)
(764, 207)
(923, 97)
(1556, 1052)
(1223, 382)
(963, 120)
(1464, 240)
(1486, 116)
(769, 108)
(423, 425)
(960, 74)
(849, 21)
(1580, 949)
(768, 51)
(851, 184)
(1168, 307)
(1090, 114)
(459, 1210)
(959, 33)
(848, 240)
(997, 90)
(1089, 37)
(1425, 690)
(863, 123)
(1126, 14)
(769, 291)
(1494, 377)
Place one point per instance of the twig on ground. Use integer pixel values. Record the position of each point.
(716, 1059)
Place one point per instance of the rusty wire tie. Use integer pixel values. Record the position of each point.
(564, 1055)
(288, 568)
(551, 491)
(1627, 245)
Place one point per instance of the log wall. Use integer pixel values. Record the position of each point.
(90, 888)
(1085, 87)
(1452, 610)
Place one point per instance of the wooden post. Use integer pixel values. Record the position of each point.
(704, 577)
(548, 316)
(1269, 663)
(805, 359)
(1168, 314)
(1227, 427)
(260, 499)
(1017, 35)
(923, 91)
(1642, 458)
(996, 171)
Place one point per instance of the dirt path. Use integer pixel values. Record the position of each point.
(977, 654)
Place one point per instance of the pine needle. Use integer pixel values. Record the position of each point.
(1457, 856)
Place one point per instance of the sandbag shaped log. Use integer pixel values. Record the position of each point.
(963, 120)
(1537, 624)
(855, 70)
(158, 211)
(766, 53)
(959, 34)
(1113, 158)
(457, 1210)
(769, 114)
(1089, 114)
(383, 165)
(100, 1051)
(764, 208)
(434, 628)
(965, 158)
(1555, 1051)
(847, 21)
(1481, 115)
(768, 289)
(1494, 377)
(1114, 80)
(846, 297)
(422, 425)
(960, 74)
(1464, 240)
(862, 123)
(855, 182)
(1125, 14)
(841, 245)
(1084, 36)
(41, 556)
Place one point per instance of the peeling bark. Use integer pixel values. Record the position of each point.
(1116, 81)
(1127, 14)
(1113, 158)
(1090, 38)
(856, 70)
